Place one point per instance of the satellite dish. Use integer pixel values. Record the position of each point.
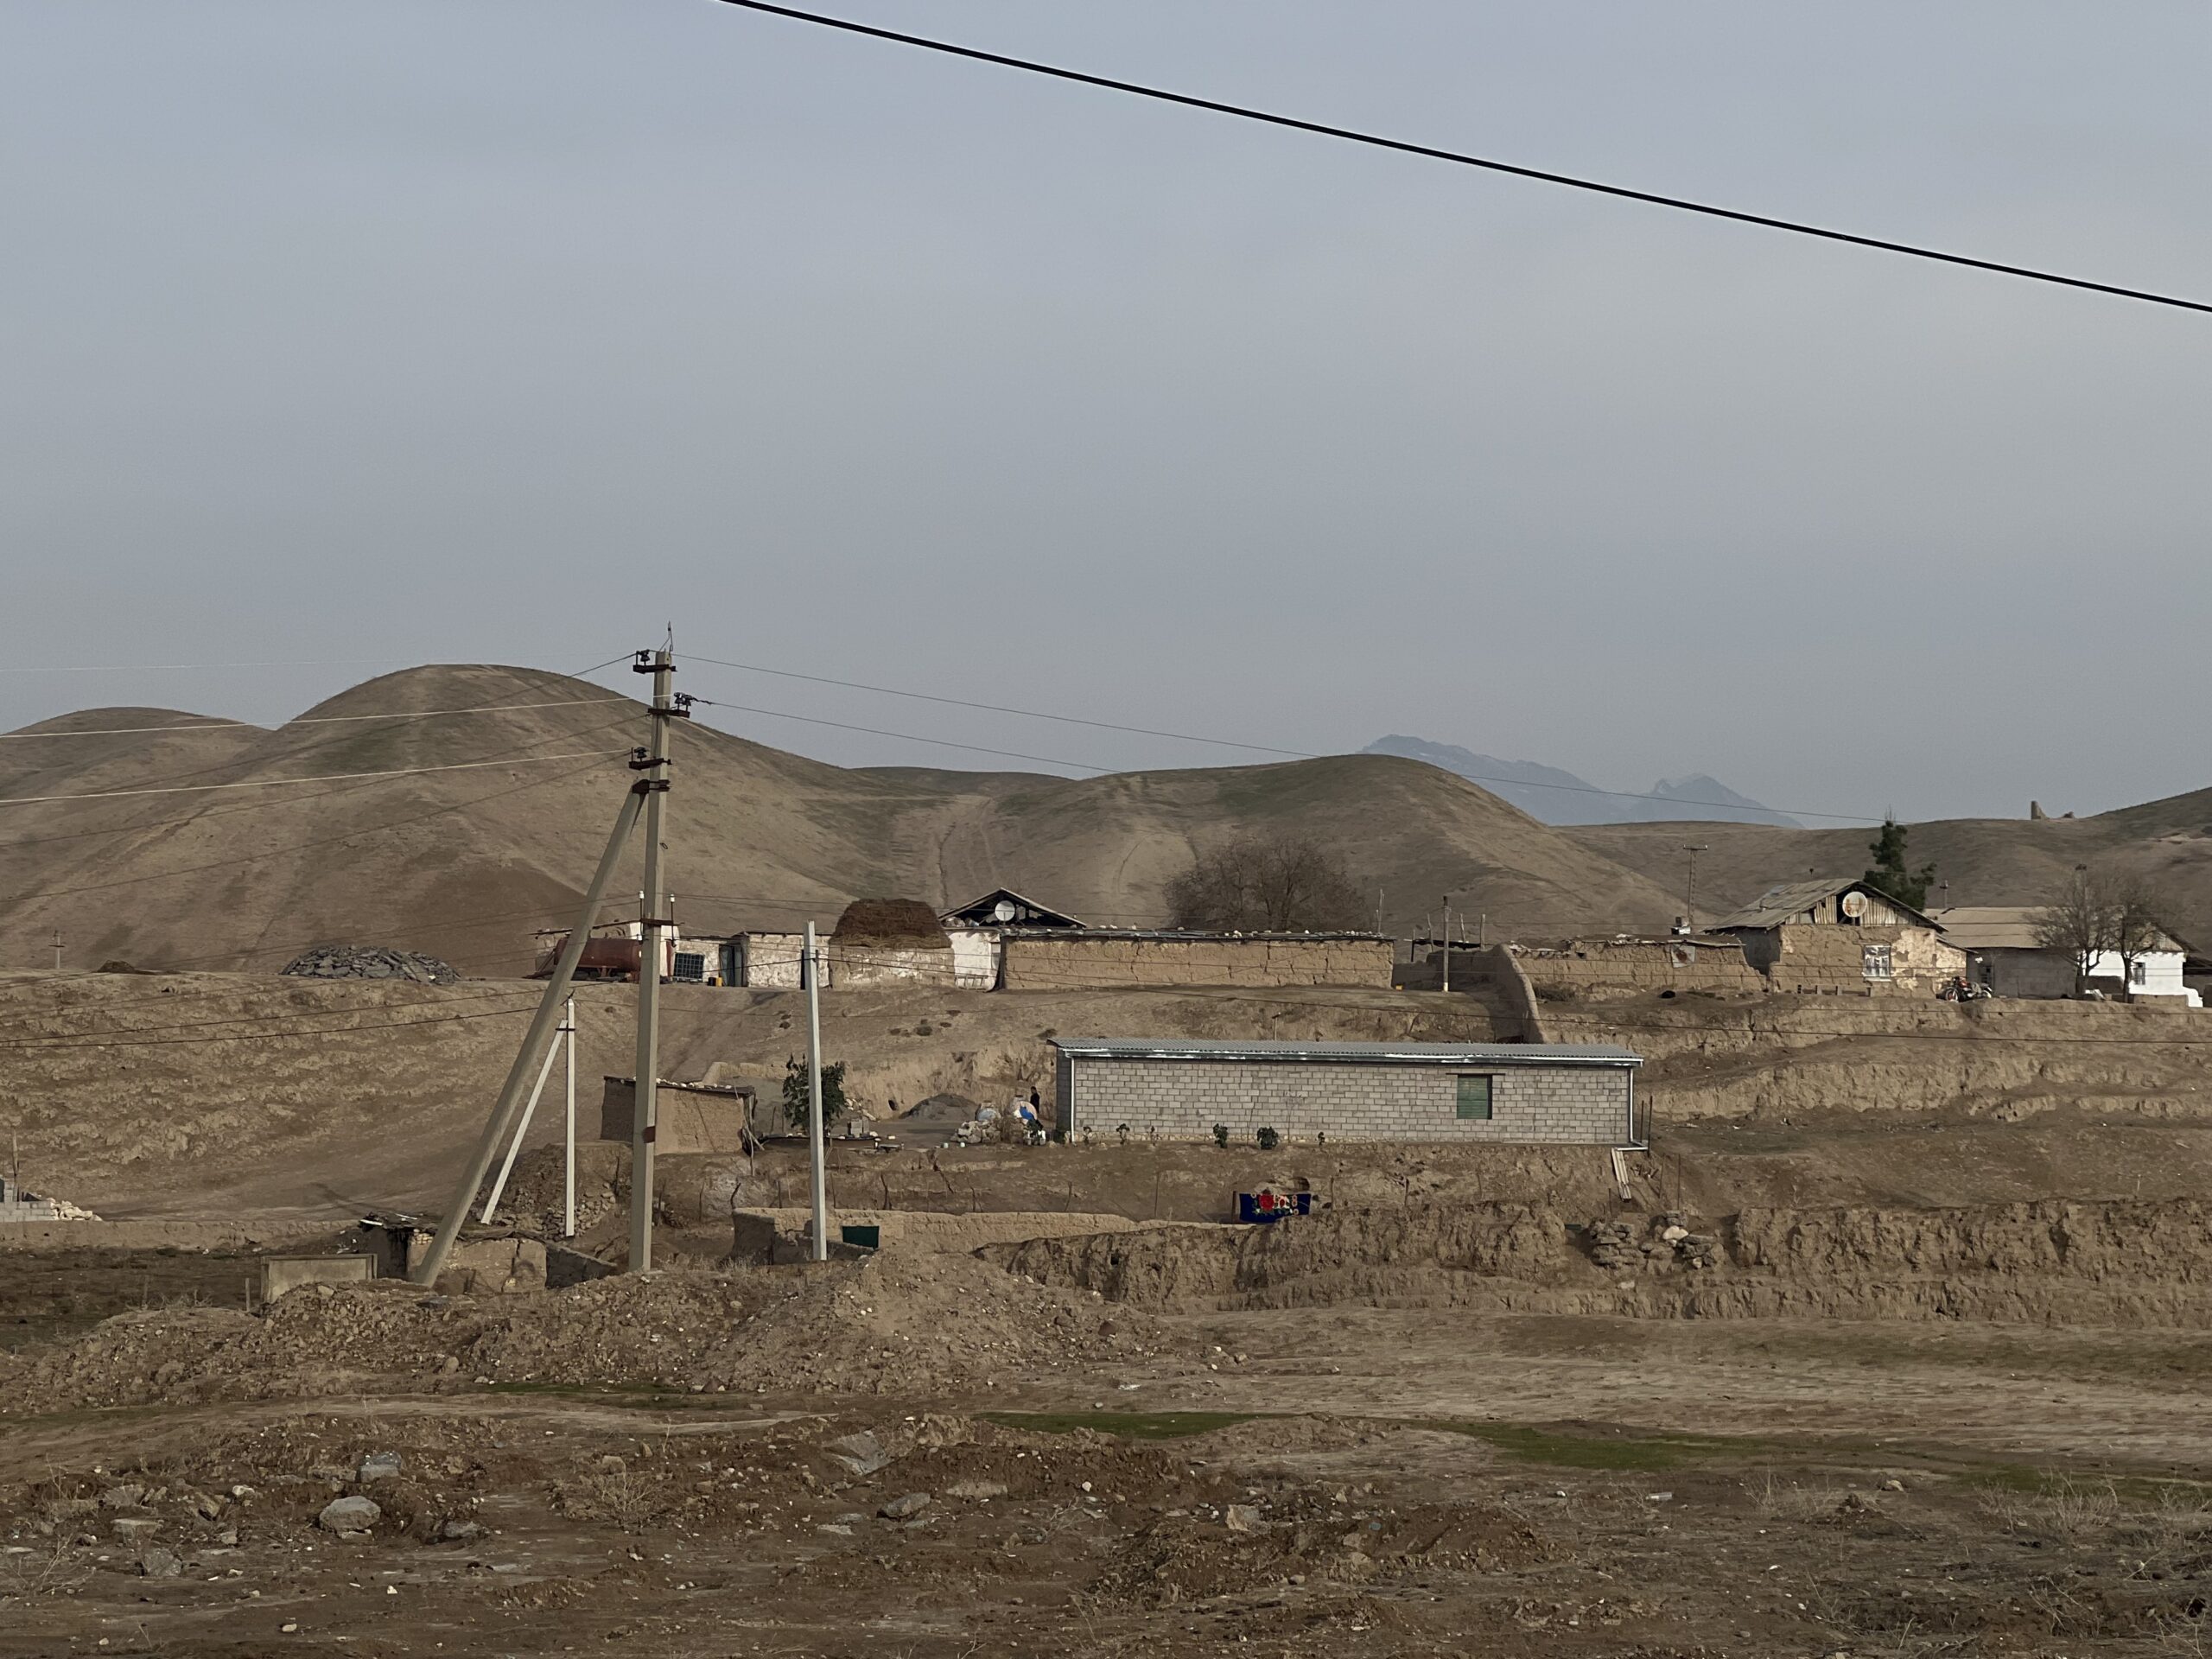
(1854, 904)
(1004, 910)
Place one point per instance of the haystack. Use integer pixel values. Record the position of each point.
(907, 923)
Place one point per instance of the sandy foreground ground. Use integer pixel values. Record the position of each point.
(1923, 1380)
(936, 1456)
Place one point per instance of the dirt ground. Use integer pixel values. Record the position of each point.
(1838, 1376)
(935, 1454)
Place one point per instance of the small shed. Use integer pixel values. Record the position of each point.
(1512, 1094)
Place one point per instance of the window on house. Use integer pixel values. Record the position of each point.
(1474, 1098)
(1874, 961)
(2139, 973)
(690, 965)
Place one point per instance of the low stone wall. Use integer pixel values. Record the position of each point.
(850, 966)
(282, 1273)
(1093, 960)
(780, 1235)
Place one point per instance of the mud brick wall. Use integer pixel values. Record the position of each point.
(1830, 959)
(1603, 968)
(684, 1120)
(1102, 961)
(1182, 1100)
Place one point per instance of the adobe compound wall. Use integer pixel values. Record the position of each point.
(1604, 968)
(1182, 1100)
(1821, 959)
(1084, 962)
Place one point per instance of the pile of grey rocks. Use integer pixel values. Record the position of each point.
(371, 962)
(1615, 1245)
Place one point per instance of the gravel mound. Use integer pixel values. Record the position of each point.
(883, 1325)
(370, 962)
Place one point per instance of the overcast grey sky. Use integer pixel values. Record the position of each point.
(478, 329)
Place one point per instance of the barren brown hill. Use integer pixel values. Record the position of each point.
(1985, 860)
(515, 775)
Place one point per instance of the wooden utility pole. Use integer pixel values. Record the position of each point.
(1689, 896)
(1447, 941)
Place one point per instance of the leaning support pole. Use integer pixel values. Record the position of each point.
(541, 1027)
(514, 1146)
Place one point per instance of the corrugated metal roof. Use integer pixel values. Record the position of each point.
(2005, 927)
(1777, 905)
(1185, 936)
(1125, 1048)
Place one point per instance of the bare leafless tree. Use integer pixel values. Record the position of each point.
(2137, 907)
(2078, 920)
(1266, 884)
(2097, 912)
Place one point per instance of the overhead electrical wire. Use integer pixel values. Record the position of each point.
(314, 719)
(904, 737)
(1184, 737)
(325, 777)
(44, 1047)
(339, 789)
(1680, 204)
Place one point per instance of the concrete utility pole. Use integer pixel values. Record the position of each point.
(645, 1117)
(1447, 941)
(1689, 896)
(57, 950)
(814, 1098)
(522, 1129)
(568, 1170)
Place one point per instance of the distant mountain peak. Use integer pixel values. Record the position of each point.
(1555, 797)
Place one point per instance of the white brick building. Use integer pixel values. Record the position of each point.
(1514, 1094)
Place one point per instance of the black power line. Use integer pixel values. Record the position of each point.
(1181, 737)
(1681, 204)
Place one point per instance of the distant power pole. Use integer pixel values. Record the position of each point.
(1447, 941)
(57, 950)
(1689, 894)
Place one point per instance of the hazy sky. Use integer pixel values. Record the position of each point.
(478, 329)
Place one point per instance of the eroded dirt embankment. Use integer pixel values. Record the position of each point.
(1803, 1056)
(2119, 1263)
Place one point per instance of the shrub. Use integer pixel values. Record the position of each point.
(834, 1106)
(1269, 1139)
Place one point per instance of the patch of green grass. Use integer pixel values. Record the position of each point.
(1132, 1425)
(1570, 1447)
(639, 1396)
